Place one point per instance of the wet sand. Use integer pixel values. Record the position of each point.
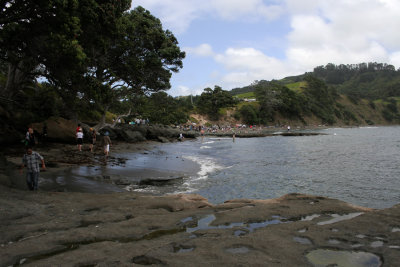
(69, 170)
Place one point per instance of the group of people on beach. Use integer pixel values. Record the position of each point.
(106, 141)
(32, 159)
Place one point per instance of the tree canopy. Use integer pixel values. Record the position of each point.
(96, 53)
(211, 101)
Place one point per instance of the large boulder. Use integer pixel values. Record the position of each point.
(132, 136)
(58, 129)
(114, 133)
(156, 131)
(140, 133)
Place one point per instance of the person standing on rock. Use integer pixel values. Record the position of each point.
(94, 137)
(30, 138)
(79, 139)
(106, 143)
(78, 128)
(44, 134)
(31, 160)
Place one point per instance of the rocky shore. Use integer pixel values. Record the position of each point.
(129, 229)
(110, 227)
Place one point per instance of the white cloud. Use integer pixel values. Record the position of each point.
(343, 32)
(395, 59)
(184, 91)
(246, 65)
(234, 9)
(177, 15)
(203, 50)
(320, 32)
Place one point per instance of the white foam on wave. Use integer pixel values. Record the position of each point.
(134, 188)
(209, 142)
(205, 147)
(207, 165)
(368, 127)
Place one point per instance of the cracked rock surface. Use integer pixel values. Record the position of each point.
(131, 229)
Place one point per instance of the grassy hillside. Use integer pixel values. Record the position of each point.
(362, 94)
(245, 95)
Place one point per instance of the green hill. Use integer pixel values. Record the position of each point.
(365, 93)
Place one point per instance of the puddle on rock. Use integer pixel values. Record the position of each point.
(338, 218)
(325, 257)
(204, 224)
(183, 249)
(310, 217)
(240, 232)
(188, 219)
(238, 250)
(302, 240)
(333, 241)
(376, 244)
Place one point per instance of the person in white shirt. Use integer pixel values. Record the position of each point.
(79, 139)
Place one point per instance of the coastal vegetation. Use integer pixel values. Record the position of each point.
(97, 61)
(353, 94)
(81, 59)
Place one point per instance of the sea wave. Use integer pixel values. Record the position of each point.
(207, 165)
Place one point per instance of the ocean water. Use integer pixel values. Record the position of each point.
(356, 165)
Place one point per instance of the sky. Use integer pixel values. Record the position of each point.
(233, 43)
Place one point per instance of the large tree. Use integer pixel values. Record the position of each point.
(137, 58)
(93, 51)
(38, 38)
(211, 101)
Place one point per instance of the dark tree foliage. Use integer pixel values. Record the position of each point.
(275, 97)
(211, 101)
(267, 94)
(161, 108)
(38, 38)
(320, 99)
(248, 114)
(138, 58)
(365, 80)
(95, 54)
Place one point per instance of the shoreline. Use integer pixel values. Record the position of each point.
(69, 170)
(79, 228)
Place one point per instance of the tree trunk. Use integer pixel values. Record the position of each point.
(15, 79)
(121, 116)
(103, 119)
